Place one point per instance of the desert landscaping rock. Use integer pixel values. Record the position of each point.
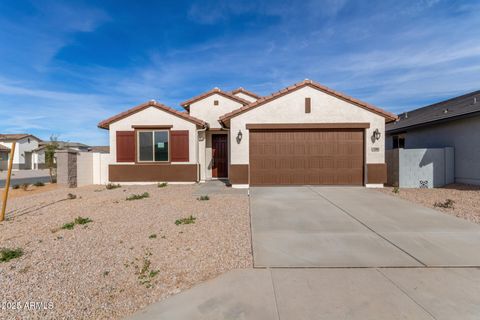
(93, 271)
(466, 199)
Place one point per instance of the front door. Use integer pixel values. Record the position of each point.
(219, 156)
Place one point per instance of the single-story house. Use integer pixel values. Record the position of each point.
(25, 144)
(451, 123)
(303, 134)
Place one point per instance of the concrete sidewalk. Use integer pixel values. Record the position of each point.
(297, 294)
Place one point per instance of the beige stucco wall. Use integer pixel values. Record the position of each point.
(206, 111)
(153, 116)
(84, 168)
(245, 96)
(290, 108)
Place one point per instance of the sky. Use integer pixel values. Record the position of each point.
(67, 65)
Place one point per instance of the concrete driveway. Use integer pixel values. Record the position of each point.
(355, 227)
(362, 255)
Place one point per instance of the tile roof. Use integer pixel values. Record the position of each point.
(450, 109)
(245, 91)
(106, 123)
(186, 104)
(16, 136)
(388, 116)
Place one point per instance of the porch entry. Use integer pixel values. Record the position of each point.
(220, 156)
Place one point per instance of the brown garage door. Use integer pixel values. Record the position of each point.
(306, 156)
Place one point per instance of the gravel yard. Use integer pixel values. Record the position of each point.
(466, 199)
(131, 254)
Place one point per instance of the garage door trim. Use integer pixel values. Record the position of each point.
(340, 125)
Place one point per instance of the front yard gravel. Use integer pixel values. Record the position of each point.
(466, 199)
(131, 255)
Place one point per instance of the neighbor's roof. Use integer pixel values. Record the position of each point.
(389, 116)
(3, 148)
(106, 123)
(450, 109)
(16, 136)
(228, 95)
(64, 144)
(245, 91)
(102, 149)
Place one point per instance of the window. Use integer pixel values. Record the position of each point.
(398, 142)
(153, 146)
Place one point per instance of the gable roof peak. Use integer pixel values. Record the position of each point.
(152, 103)
(387, 115)
(186, 104)
(245, 91)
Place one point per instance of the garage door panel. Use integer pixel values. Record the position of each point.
(296, 157)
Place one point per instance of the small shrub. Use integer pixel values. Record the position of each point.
(9, 254)
(447, 204)
(188, 220)
(78, 220)
(25, 186)
(15, 186)
(153, 273)
(162, 184)
(396, 190)
(82, 220)
(68, 226)
(71, 196)
(152, 236)
(138, 196)
(39, 184)
(111, 186)
(145, 273)
(203, 198)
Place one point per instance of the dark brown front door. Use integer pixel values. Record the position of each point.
(306, 156)
(219, 156)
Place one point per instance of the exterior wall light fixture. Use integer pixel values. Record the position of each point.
(377, 134)
(239, 136)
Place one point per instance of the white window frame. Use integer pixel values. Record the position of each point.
(153, 145)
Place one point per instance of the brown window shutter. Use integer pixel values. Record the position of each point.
(179, 146)
(125, 146)
(308, 105)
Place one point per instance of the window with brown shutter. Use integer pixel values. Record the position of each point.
(125, 146)
(179, 146)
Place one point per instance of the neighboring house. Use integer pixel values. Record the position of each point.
(303, 134)
(39, 153)
(4, 151)
(451, 123)
(25, 144)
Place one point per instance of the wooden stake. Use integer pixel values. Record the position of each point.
(7, 184)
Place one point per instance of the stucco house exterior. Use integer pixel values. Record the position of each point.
(303, 134)
(453, 123)
(25, 144)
